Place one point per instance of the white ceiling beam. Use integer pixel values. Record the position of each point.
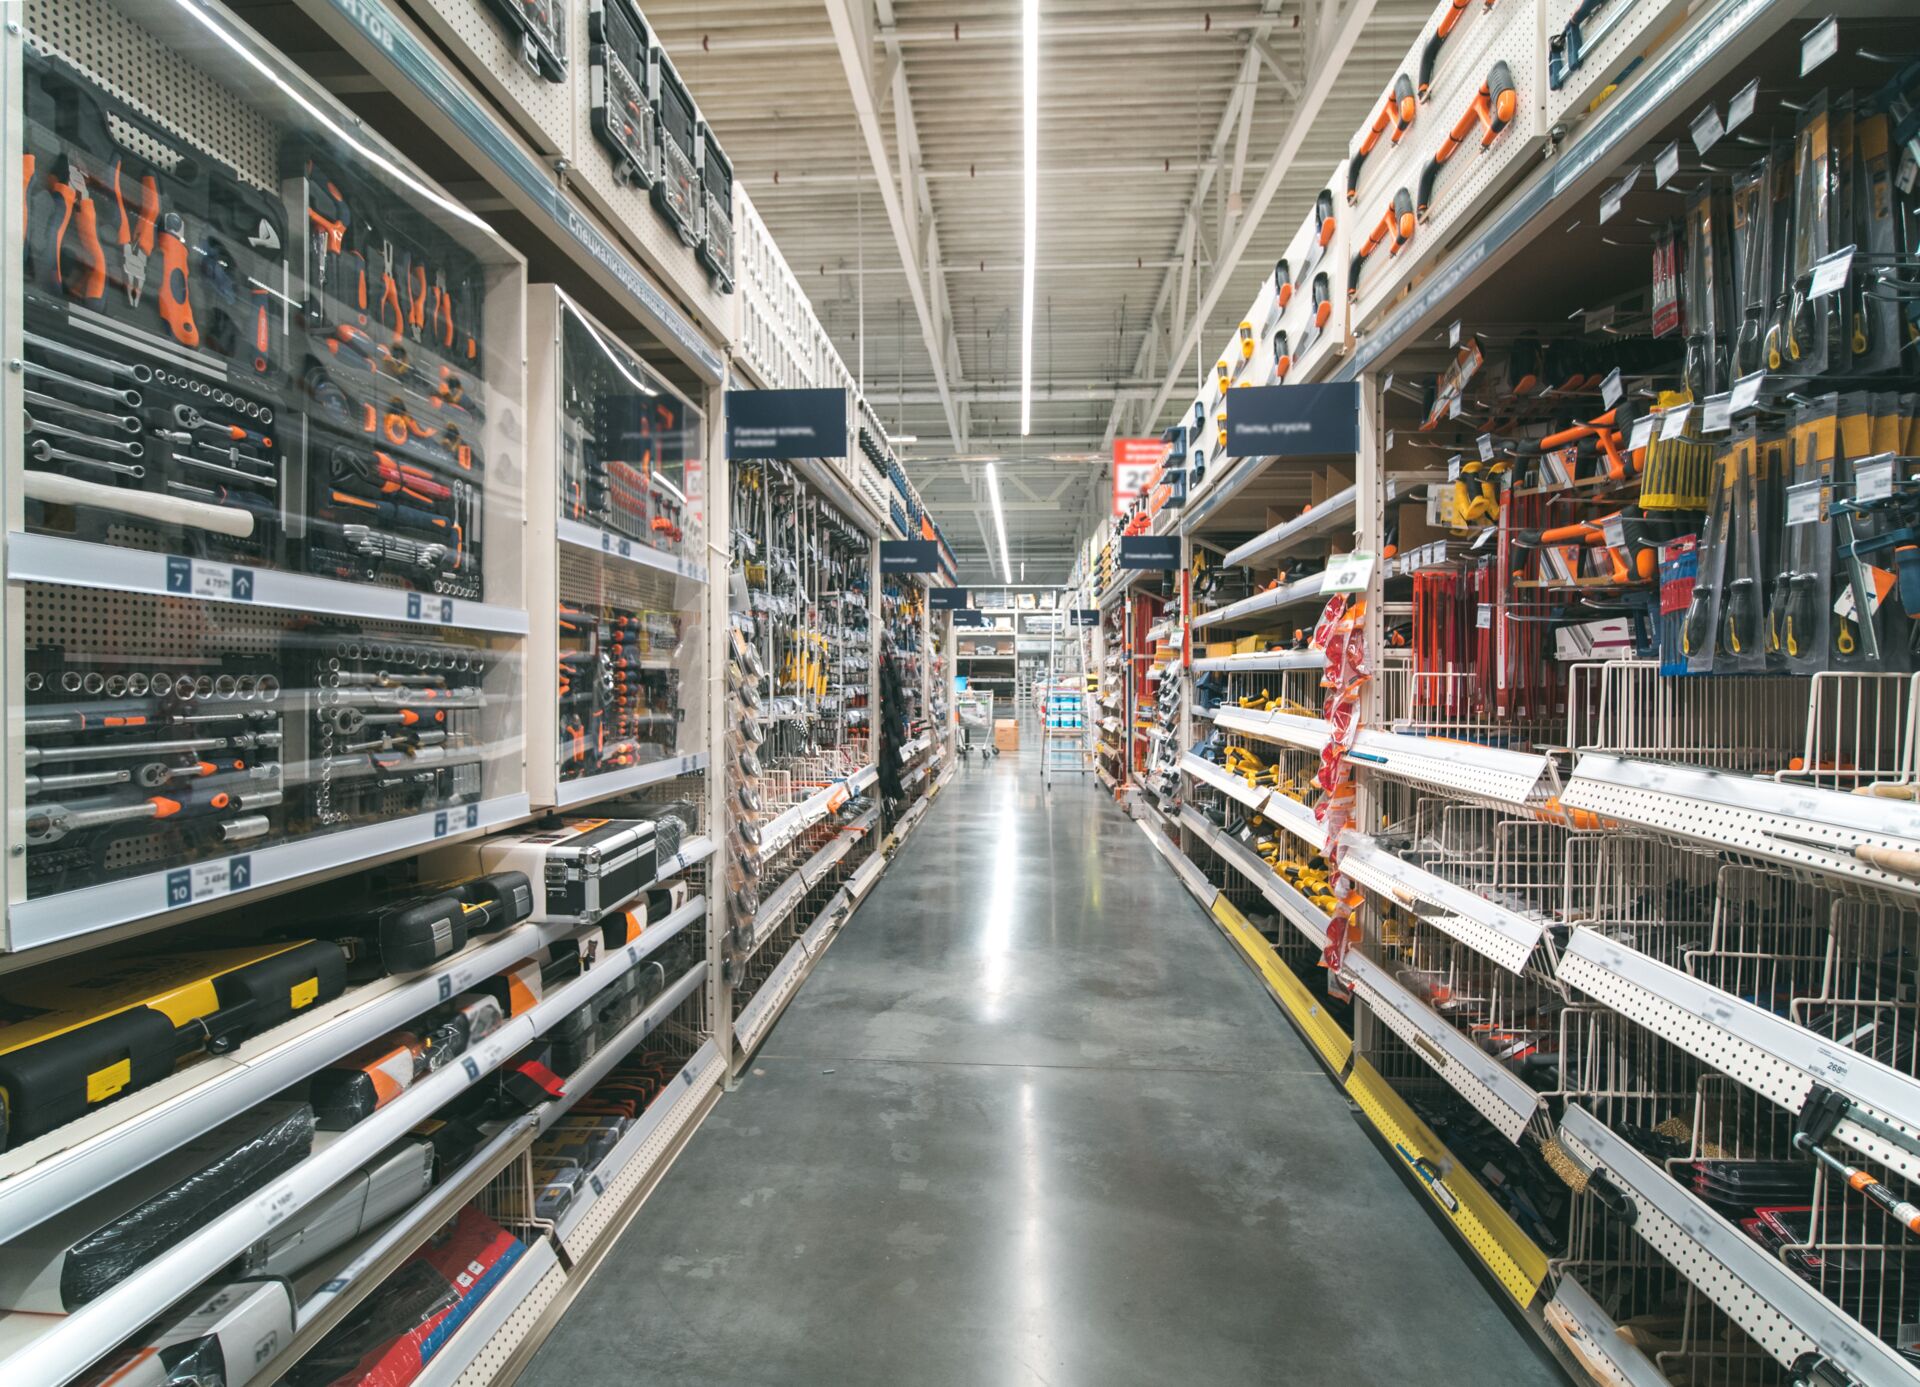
(851, 32)
(1069, 391)
(759, 186)
(1223, 25)
(1324, 72)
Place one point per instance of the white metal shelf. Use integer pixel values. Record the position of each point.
(40, 1178)
(1284, 729)
(1468, 768)
(151, 897)
(795, 819)
(639, 1151)
(753, 1023)
(626, 550)
(532, 1281)
(1476, 1076)
(1297, 593)
(1503, 935)
(77, 563)
(1775, 1057)
(71, 1344)
(1305, 916)
(1254, 797)
(777, 904)
(1796, 827)
(1331, 516)
(596, 787)
(608, 1056)
(1779, 1311)
(1596, 1340)
(1259, 661)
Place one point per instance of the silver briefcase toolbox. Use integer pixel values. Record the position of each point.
(580, 867)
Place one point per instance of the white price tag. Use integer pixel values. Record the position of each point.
(1746, 391)
(1453, 468)
(1483, 617)
(1610, 388)
(1454, 407)
(277, 1204)
(1819, 43)
(1614, 530)
(1486, 447)
(1741, 107)
(1831, 273)
(1831, 1064)
(1873, 479)
(1642, 433)
(1611, 199)
(1706, 129)
(1673, 423)
(1804, 503)
(1716, 414)
(1349, 572)
(217, 582)
(1453, 333)
(1666, 164)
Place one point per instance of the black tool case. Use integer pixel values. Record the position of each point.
(71, 1043)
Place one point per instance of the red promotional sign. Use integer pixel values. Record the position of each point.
(1136, 466)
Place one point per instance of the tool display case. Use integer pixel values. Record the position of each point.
(619, 503)
(265, 555)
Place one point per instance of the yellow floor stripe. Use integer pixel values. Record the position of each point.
(1321, 1030)
(1509, 1253)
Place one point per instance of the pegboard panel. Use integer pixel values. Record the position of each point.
(1469, 184)
(482, 43)
(707, 1068)
(628, 209)
(157, 78)
(1313, 353)
(493, 1358)
(1611, 40)
(1465, 188)
(141, 628)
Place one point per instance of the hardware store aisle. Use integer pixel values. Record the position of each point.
(1032, 1121)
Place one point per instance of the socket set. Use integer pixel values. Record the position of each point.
(277, 365)
(395, 727)
(136, 763)
(620, 700)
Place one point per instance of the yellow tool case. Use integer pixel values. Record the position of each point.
(72, 1042)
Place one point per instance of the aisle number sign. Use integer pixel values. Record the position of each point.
(1136, 466)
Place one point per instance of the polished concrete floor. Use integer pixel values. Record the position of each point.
(1032, 1122)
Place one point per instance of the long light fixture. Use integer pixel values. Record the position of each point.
(1030, 103)
(999, 524)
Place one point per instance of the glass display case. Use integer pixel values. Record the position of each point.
(265, 491)
(617, 462)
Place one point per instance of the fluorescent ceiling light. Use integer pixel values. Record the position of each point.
(999, 523)
(901, 439)
(1030, 103)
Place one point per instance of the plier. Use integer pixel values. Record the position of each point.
(136, 231)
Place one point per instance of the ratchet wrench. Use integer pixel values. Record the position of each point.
(132, 450)
(44, 451)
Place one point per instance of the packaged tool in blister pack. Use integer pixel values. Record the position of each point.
(397, 723)
(540, 27)
(619, 691)
(390, 340)
(621, 90)
(1876, 536)
(134, 762)
(155, 290)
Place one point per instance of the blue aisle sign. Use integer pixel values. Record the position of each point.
(946, 599)
(1150, 551)
(1293, 420)
(786, 424)
(909, 556)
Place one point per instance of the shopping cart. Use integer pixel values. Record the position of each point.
(974, 708)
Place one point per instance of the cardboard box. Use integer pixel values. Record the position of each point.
(1006, 735)
(1248, 645)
